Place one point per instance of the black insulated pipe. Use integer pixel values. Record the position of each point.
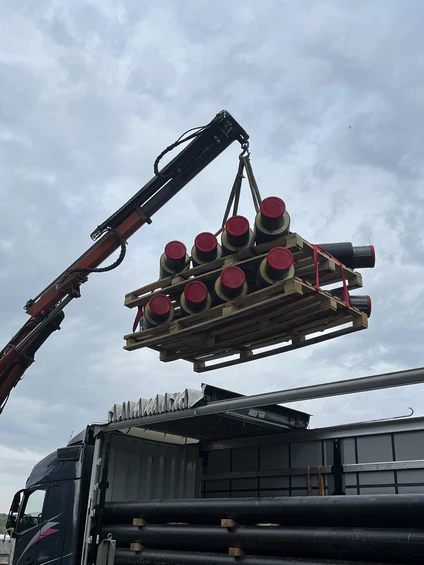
(206, 248)
(230, 284)
(400, 545)
(158, 557)
(272, 221)
(353, 257)
(237, 235)
(391, 511)
(159, 310)
(360, 301)
(174, 259)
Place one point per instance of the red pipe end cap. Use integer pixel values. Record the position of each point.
(237, 226)
(372, 249)
(272, 207)
(160, 305)
(369, 306)
(175, 250)
(205, 242)
(280, 258)
(233, 277)
(195, 292)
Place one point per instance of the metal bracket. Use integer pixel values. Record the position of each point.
(106, 551)
(143, 215)
(337, 468)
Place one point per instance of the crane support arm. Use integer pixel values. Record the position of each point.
(46, 309)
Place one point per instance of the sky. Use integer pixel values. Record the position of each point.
(331, 93)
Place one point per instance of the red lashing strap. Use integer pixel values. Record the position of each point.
(316, 264)
(138, 317)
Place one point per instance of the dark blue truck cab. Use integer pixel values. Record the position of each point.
(48, 516)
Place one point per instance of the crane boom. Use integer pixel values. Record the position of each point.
(46, 309)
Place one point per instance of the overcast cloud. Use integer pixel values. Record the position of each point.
(331, 93)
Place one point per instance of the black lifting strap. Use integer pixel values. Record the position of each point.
(244, 164)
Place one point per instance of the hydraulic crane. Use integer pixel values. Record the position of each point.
(46, 309)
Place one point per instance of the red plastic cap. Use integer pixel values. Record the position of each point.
(233, 277)
(175, 250)
(272, 207)
(160, 305)
(369, 306)
(280, 258)
(205, 242)
(372, 249)
(237, 226)
(195, 292)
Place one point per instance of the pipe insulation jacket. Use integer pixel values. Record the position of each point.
(396, 511)
(401, 545)
(163, 557)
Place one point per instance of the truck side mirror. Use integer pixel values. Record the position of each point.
(14, 509)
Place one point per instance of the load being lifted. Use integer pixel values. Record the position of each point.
(249, 274)
(231, 300)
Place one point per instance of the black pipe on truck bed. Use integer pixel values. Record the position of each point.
(397, 546)
(396, 511)
(160, 557)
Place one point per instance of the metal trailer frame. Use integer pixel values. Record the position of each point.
(335, 434)
(325, 390)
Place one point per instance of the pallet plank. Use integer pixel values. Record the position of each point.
(219, 314)
(241, 329)
(242, 336)
(282, 335)
(201, 367)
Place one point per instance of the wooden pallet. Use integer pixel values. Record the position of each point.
(330, 271)
(288, 311)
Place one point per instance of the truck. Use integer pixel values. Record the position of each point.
(212, 476)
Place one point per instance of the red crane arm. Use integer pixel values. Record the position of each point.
(94, 257)
(46, 309)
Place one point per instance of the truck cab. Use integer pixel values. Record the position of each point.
(45, 516)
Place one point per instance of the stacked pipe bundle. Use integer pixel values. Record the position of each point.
(356, 529)
(271, 223)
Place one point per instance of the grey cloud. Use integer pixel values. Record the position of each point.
(108, 86)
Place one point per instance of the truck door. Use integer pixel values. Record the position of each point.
(53, 524)
(28, 527)
(41, 527)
